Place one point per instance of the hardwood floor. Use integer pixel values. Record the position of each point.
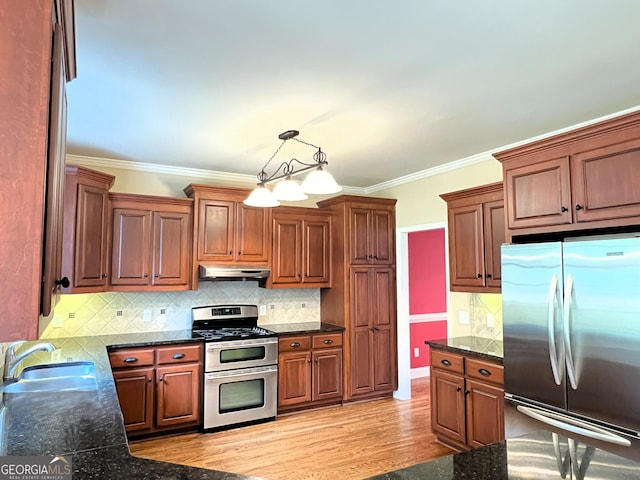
(354, 441)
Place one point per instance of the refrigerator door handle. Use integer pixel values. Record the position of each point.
(551, 332)
(574, 425)
(568, 294)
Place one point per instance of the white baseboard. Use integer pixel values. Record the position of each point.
(420, 372)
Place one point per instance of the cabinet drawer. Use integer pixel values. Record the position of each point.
(293, 344)
(178, 354)
(131, 358)
(447, 361)
(326, 340)
(485, 371)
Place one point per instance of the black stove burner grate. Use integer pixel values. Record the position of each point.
(232, 333)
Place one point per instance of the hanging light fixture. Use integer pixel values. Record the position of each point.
(318, 182)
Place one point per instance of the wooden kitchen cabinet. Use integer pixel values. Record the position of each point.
(585, 179)
(362, 298)
(476, 232)
(151, 242)
(37, 59)
(159, 388)
(309, 371)
(226, 231)
(301, 248)
(85, 242)
(467, 400)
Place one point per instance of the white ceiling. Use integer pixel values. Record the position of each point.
(386, 88)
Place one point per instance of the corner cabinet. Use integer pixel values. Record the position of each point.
(301, 248)
(151, 242)
(467, 400)
(85, 242)
(38, 58)
(584, 179)
(226, 231)
(363, 293)
(476, 232)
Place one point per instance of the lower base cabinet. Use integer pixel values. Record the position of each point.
(159, 388)
(309, 371)
(467, 400)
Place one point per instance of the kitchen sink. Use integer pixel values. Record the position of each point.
(54, 377)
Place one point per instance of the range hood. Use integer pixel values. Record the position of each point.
(234, 272)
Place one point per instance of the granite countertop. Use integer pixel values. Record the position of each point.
(306, 327)
(475, 346)
(529, 456)
(88, 425)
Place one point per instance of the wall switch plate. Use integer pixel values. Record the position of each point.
(263, 309)
(416, 352)
(490, 320)
(146, 315)
(463, 317)
(57, 321)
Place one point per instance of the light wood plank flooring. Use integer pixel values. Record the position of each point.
(354, 441)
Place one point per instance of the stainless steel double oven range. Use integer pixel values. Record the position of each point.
(240, 365)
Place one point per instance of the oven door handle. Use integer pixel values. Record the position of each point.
(241, 372)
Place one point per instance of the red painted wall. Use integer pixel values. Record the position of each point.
(427, 275)
(419, 332)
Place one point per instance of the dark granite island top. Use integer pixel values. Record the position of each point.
(470, 346)
(88, 425)
(532, 456)
(303, 328)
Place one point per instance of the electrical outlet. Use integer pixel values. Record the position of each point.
(263, 309)
(416, 352)
(463, 317)
(57, 321)
(490, 320)
(146, 315)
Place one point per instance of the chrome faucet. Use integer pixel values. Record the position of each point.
(11, 360)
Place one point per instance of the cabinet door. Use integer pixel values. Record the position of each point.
(494, 237)
(131, 252)
(216, 231)
(316, 253)
(170, 248)
(447, 405)
(178, 394)
(359, 228)
(327, 374)
(383, 324)
(135, 394)
(294, 378)
(485, 413)
(287, 251)
(91, 237)
(539, 194)
(382, 237)
(252, 235)
(362, 346)
(605, 182)
(466, 246)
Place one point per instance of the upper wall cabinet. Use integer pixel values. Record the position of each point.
(151, 242)
(301, 248)
(585, 179)
(476, 231)
(226, 231)
(85, 257)
(372, 235)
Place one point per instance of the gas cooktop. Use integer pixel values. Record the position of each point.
(227, 322)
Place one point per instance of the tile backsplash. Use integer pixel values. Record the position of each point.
(477, 314)
(133, 312)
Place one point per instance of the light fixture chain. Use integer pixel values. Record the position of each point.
(306, 143)
(263, 173)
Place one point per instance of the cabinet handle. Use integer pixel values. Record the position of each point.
(63, 282)
(130, 360)
(149, 379)
(295, 345)
(160, 379)
(317, 360)
(230, 252)
(467, 392)
(479, 275)
(563, 209)
(328, 341)
(485, 372)
(445, 362)
(239, 252)
(156, 276)
(177, 356)
(458, 389)
(578, 207)
(146, 275)
(489, 275)
(375, 256)
(104, 275)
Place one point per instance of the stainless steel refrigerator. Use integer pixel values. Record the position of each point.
(571, 314)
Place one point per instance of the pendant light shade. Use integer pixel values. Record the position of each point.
(320, 182)
(288, 190)
(261, 197)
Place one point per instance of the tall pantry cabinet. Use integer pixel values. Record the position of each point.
(363, 293)
(37, 58)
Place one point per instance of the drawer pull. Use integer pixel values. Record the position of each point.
(328, 341)
(177, 356)
(446, 363)
(130, 360)
(295, 344)
(485, 372)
